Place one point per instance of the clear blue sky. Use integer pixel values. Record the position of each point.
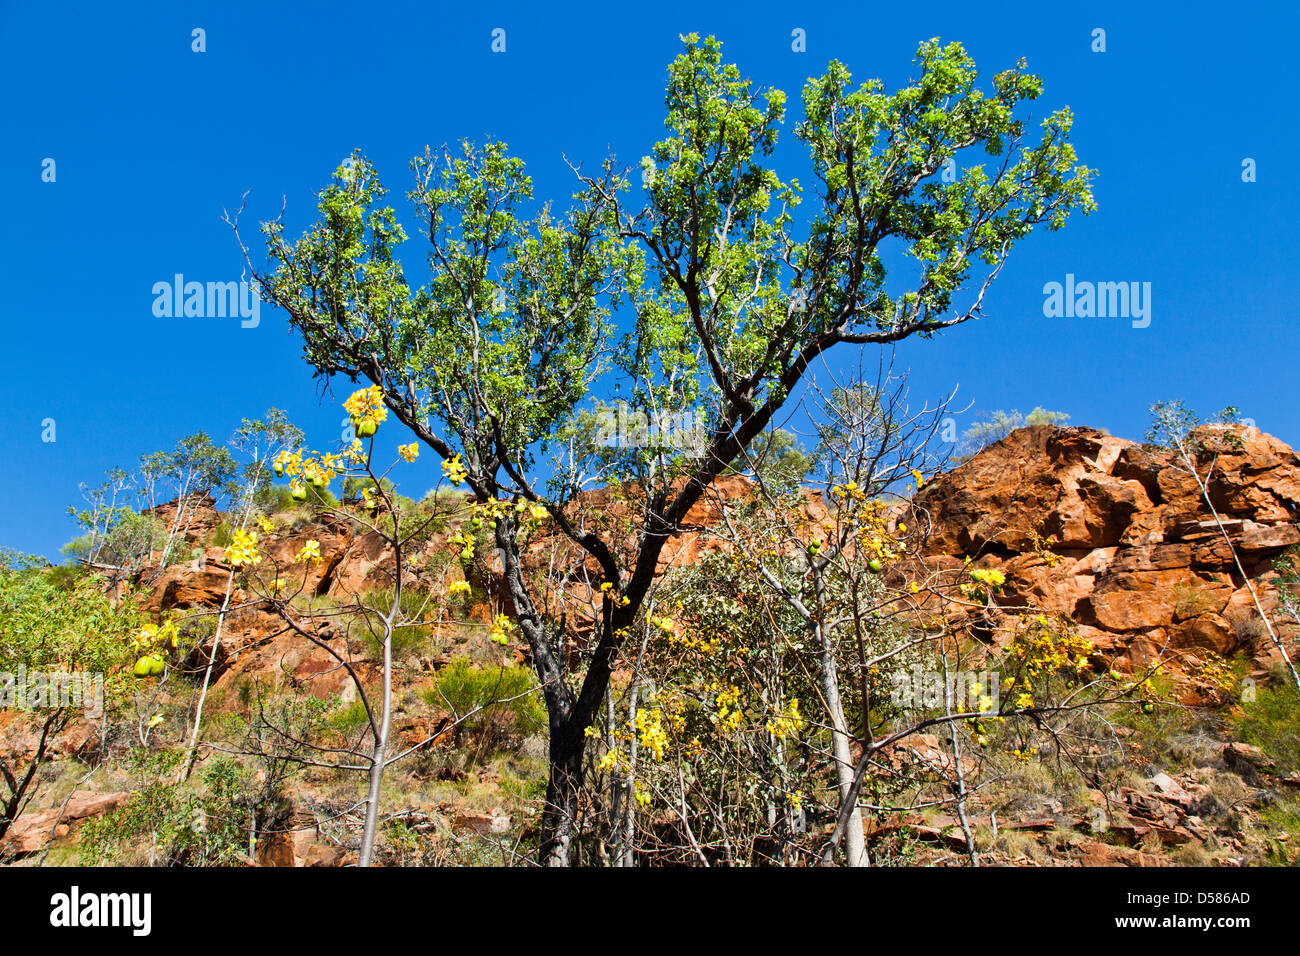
(152, 140)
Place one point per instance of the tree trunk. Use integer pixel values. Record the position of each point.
(559, 820)
(855, 842)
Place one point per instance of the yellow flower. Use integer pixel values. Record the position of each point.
(265, 523)
(454, 470)
(653, 737)
(458, 587)
(367, 410)
(409, 452)
(310, 552)
(500, 626)
(920, 480)
(788, 723)
(243, 550)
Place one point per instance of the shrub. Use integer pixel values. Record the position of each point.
(503, 696)
(1272, 723)
(162, 824)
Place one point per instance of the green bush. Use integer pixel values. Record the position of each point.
(1272, 722)
(162, 824)
(504, 697)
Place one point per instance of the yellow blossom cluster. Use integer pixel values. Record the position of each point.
(151, 644)
(651, 732)
(457, 588)
(983, 582)
(153, 638)
(454, 470)
(310, 552)
(1044, 645)
(788, 723)
(727, 714)
(307, 468)
(366, 407)
(500, 629)
(243, 549)
(409, 452)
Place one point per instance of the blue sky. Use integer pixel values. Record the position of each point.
(151, 141)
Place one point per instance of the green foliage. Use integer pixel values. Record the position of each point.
(779, 459)
(124, 540)
(194, 465)
(56, 624)
(262, 439)
(1175, 426)
(1272, 723)
(415, 606)
(506, 694)
(163, 824)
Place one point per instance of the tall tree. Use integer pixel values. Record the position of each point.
(726, 308)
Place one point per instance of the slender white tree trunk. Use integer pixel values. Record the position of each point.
(855, 842)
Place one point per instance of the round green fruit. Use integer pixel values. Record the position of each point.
(141, 668)
(279, 469)
(1148, 707)
(365, 429)
(876, 565)
(156, 665)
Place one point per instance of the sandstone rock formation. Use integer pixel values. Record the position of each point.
(1142, 563)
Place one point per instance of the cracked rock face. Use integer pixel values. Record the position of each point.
(1144, 561)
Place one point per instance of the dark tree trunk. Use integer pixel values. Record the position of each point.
(560, 818)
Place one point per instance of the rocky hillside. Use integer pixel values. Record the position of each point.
(1110, 533)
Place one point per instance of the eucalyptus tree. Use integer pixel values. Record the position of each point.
(711, 289)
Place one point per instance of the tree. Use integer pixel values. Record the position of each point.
(261, 441)
(195, 466)
(62, 639)
(726, 308)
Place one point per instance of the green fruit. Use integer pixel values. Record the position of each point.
(156, 665)
(875, 565)
(365, 429)
(1148, 707)
(298, 493)
(279, 469)
(1115, 675)
(141, 668)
